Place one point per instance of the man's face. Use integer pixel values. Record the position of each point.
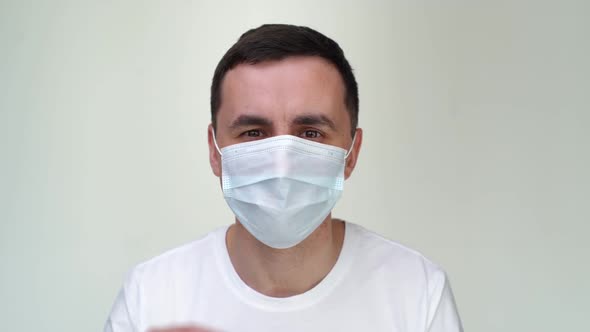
(299, 96)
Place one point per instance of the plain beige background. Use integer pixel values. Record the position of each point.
(476, 152)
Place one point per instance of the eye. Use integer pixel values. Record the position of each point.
(312, 134)
(252, 133)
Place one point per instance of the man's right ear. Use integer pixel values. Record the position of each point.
(214, 156)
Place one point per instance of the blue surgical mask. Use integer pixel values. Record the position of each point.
(282, 188)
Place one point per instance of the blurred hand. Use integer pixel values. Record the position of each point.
(181, 329)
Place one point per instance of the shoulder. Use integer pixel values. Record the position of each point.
(414, 282)
(181, 262)
(395, 260)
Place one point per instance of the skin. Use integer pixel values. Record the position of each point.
(182, 329)
(299, 96)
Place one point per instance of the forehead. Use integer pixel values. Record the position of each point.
(283, 89)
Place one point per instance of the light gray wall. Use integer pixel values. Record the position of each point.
(476, 152)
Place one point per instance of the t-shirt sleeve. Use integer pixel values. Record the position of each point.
(442, 314)
(123, 313)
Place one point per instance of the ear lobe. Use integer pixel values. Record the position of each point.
(354, 153)
(214, 157)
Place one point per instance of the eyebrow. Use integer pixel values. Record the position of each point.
(314, 120)
(301, 120)
(249, 120)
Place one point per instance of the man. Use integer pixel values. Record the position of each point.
(283, 138)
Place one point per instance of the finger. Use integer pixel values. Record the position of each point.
(181, 329)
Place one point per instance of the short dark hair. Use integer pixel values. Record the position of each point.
(276, 42)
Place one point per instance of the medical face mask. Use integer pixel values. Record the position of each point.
(282, 188)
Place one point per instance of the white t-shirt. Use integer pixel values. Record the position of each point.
(376, 285)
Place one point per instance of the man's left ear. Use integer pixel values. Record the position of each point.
(354, 153)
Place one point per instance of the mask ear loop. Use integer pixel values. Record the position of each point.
(217, 146)
(351, 146)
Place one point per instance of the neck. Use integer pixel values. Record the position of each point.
(285, 272)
